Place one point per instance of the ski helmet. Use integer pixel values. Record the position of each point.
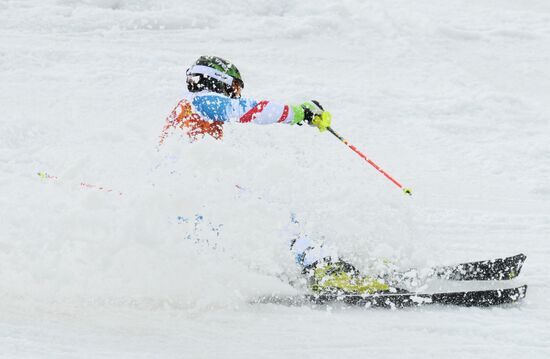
(215, 74)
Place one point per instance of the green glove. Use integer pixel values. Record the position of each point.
(312, 113)
(322, 121)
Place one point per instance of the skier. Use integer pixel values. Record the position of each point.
(214, 97)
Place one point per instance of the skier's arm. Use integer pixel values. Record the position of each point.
(267, 112)
(220, 108)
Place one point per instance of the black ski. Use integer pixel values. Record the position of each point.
(475, 298)
(493, 269)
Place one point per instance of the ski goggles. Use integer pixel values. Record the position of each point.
(218, 75)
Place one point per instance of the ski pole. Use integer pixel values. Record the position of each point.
(46, 176)
(404, 189)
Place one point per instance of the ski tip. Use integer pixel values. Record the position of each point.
(522, 292)
(523, 288)
(520, 259)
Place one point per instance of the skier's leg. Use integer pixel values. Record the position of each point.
(339, 277)
(326, 275)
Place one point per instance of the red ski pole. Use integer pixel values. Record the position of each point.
(405, 190)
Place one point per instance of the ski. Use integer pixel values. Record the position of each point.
(493, 269)
(475, 298)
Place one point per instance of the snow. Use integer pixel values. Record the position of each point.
(451, 98)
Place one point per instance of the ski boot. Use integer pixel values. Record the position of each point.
(331, 280)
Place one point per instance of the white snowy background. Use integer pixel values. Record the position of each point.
(450, 97)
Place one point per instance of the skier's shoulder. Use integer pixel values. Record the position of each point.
(212, 99)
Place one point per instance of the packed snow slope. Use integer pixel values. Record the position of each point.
(122, 248)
